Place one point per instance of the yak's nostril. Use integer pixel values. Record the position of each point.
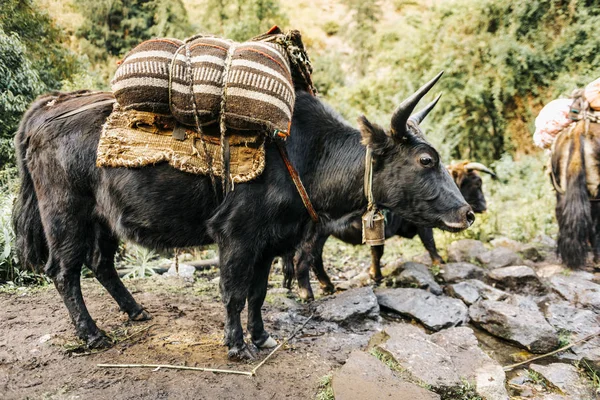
(470, 217)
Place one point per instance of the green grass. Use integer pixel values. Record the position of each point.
(564, 338)
(325, 389)
(386, 359)
(537, 378)
(592, 374)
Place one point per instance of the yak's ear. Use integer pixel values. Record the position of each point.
(374, 136)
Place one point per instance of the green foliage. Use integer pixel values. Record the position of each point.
(7, 196)
(331, 28)
(10, 273)
(32, 60)
(43, 39)
(327, 72)
(113, 27)
(19, 84)
(242, 19)
(325, 390)
(501, 66)
(140, 259)
(592, 374)
(365, 15)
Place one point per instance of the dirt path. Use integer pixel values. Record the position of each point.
(35, 332)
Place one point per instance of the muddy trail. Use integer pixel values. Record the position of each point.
(40, 358)
(424, 333)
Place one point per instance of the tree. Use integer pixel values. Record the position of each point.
(113, 27)
(501, 65)
(242, 19)
(361, 33)
(33, 60)
(19, 84)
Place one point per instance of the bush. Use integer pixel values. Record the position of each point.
(19, 85)
(33, 60)
(331, 28)
(501, 67)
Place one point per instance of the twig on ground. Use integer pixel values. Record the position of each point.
(180, 367)
(285, 341)
(221, 371)
(567, 347)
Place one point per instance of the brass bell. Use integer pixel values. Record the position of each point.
(373, 227)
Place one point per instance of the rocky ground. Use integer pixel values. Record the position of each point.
(424, 333)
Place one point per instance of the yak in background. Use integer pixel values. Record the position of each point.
(310, 254)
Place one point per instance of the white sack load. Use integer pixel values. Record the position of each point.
(592, 94)
(553, 118)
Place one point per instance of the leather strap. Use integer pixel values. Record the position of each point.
(84, 108)
(297, 182)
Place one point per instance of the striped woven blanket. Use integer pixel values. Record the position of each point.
(203, 79)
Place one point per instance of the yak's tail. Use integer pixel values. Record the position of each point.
(31, 246)
(573, 208)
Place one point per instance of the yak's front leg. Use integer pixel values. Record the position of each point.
(375, 269)
(256, 298)
(426, 236)
(236, 275)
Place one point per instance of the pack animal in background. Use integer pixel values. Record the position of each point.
(197, 80)
(592, 94)
(552, 119)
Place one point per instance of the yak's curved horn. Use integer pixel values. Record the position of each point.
(420, 116)
(475, 166)
(405, 109)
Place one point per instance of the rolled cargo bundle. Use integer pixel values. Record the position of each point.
(250, 84)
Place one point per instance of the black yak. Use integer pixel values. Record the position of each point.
(70, 213)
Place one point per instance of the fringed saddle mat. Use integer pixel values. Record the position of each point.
(137, 138)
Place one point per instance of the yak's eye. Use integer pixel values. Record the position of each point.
(426, 161)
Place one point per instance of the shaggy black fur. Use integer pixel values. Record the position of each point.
(71, 213)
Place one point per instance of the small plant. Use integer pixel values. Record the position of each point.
(466, 391)
(139, 258)
(592, 374)
(564, 338)
(8, 262)
(386, 359)
(325, 389)
(435, 270)
(331, 28)
(537, 378)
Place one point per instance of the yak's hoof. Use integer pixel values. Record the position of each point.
(142, 315)
(327, 290)
(99, 341)
(437, 262)
(242, 353)
(306, 294)
(267, 343)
